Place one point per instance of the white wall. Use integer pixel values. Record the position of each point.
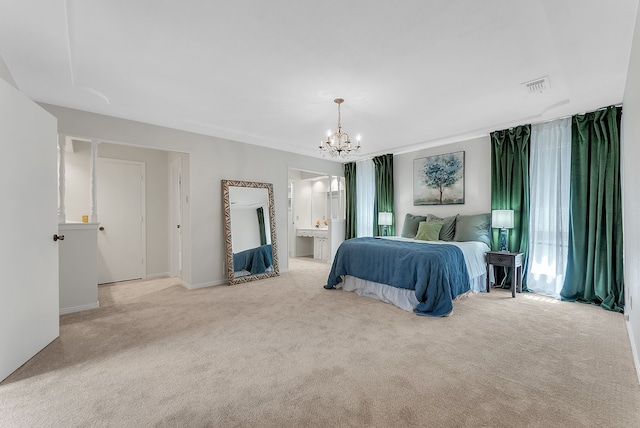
(5, 74)
(630, 195)
(78, 259)
(77, 185)
(211, 160)
(156, 162)
(477, 181)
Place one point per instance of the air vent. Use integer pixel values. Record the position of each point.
(537, 85)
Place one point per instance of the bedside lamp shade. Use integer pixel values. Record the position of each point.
(503, 220)
(385, 219)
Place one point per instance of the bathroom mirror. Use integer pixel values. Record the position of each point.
(318, 208)
(250, 231)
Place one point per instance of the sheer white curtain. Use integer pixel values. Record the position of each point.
(365, 197)
(549, 175)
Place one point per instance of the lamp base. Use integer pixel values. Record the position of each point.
(503, 240)
(384, 230)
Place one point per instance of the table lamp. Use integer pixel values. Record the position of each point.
(503, 220)
(385, 219)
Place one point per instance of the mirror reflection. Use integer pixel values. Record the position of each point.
(250, 230)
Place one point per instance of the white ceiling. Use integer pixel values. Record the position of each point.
(413, 73)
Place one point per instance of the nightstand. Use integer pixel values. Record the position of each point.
(506, 259)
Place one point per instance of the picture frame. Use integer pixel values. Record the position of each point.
(439, 179)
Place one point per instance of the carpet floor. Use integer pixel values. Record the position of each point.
(284, 352)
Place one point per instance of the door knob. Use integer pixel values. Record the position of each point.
(101, 228)
(58, 237)
(178, 226)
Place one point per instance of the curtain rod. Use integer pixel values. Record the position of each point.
(559, 118)
(367, 158)
(511, 127)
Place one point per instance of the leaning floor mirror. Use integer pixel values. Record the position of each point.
(250, 231)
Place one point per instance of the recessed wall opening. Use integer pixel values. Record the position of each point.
(316, 214)
(140, 192)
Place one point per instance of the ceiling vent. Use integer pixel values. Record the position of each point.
(540, 84)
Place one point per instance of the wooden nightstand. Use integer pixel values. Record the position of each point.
(506, 259)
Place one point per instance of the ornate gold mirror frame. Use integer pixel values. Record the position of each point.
(232, 276)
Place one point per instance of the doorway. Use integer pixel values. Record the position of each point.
(175, 216)
(316, 215)
(166, 195)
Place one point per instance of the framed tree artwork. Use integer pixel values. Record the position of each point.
(439, 180)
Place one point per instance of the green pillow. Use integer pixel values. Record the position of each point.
(410, 226)
(473, 228)
(429, 230)
(448, 226)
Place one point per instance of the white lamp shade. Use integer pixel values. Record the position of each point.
(385, 219)
(502, 219)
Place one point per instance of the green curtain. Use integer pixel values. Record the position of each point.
(350, 205)
(384, 192)
(263, 234)
(510, 187)
(594, 264)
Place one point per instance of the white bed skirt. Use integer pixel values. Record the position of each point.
(400, 297)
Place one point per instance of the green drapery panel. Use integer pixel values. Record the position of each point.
(263, 234)
(594, 263)
(384, 192)
(350, 204)
(510, 187)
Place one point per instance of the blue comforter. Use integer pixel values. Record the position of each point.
(255, 260)
(437, 272)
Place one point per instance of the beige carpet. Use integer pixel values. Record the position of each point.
(284, 352)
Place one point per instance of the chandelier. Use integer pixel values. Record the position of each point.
(339, 143)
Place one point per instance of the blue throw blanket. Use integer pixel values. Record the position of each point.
(437, 272)
(255, 260)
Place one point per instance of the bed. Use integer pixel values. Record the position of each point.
(417, 275)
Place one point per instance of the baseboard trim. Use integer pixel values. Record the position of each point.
(79, 308)
(204, 284)
(634, 349)
(158, 275)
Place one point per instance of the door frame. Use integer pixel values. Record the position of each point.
(186, 206)
(175, 210)
(143, 206)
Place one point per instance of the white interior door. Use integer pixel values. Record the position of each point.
(121, 211)
(175, 201)
(29, 304)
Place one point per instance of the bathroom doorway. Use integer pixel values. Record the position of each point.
(316, 214)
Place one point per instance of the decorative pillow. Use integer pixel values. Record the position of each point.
(410, 226)
(473, 228)
(448, 226)
(429, 230)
